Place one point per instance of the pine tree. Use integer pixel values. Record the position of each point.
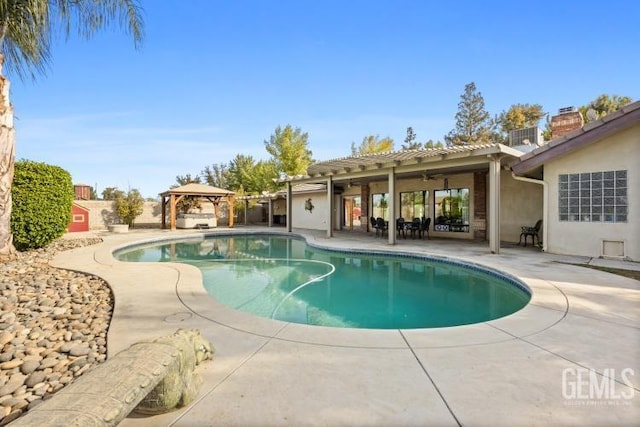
(410, 142)
(473, 124)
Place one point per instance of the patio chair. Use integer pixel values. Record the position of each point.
(374, 224)
(400, 227)
(382, 225)
(531, 231)
(414, 227)
(424, 227)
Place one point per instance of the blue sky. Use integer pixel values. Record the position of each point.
(214, 79)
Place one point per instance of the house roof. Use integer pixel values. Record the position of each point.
(374, 162)
(531, 163)
(197, 190)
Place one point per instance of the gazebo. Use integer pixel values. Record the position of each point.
(213, 194)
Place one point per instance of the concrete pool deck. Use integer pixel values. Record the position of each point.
(570, 357)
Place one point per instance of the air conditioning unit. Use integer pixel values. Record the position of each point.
(526, 136)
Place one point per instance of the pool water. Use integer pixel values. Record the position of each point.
(280, 277)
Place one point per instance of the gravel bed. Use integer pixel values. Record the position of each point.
(53, 326)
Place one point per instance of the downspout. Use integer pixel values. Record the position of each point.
(545, 204)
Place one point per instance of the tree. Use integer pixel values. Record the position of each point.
(216, 175)
(473, 125)
(26, 34)
(519, 116)
(371, 145)
(603, 105)
(410, 141)
(111, 193)
(129, 206)
(241, 174)
(265, 173)
(289, 150)
(433, 144)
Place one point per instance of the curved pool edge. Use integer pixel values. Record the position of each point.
(538, 315)
(252, 376)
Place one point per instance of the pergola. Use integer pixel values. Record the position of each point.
(485, 159)
(212, 194)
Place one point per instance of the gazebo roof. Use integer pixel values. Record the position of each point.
(197, 190)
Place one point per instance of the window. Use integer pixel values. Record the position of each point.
(593, 197)
(414, 204)
(452, 210)
(380, 205)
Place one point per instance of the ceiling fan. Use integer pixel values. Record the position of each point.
(428, 177)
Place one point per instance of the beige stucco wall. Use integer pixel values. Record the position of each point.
(520, 205)
(310, 220)
(618, 152)
(102, 214)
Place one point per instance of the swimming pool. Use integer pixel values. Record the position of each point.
(283, 278)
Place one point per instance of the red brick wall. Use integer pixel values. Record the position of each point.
(565, 123)
(480, 205)
(364, 203)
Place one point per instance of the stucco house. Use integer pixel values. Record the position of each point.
(460, 188)
(592, 180)
(489, 192)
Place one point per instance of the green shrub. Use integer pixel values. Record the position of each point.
(42, 197)
(129, 206)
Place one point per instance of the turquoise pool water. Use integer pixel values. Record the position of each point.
(282, 278)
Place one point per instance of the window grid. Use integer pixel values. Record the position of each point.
(593, 196)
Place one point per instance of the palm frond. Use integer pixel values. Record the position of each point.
(28, 26)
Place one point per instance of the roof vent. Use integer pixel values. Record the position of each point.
(566, 110)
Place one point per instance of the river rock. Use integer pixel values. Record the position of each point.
(5, 337)
(11, 364)
(15, 382)
(35, 378)
(36, 301)
(29, 366)
(79, 350)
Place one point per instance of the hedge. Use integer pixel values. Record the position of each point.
(42, 197)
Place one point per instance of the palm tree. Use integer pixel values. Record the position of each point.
(27, 28)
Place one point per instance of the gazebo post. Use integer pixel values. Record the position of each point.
(230, 200)
(164, 212)
(172, 212)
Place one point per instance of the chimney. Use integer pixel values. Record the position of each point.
(82, 191)
(567, 120)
